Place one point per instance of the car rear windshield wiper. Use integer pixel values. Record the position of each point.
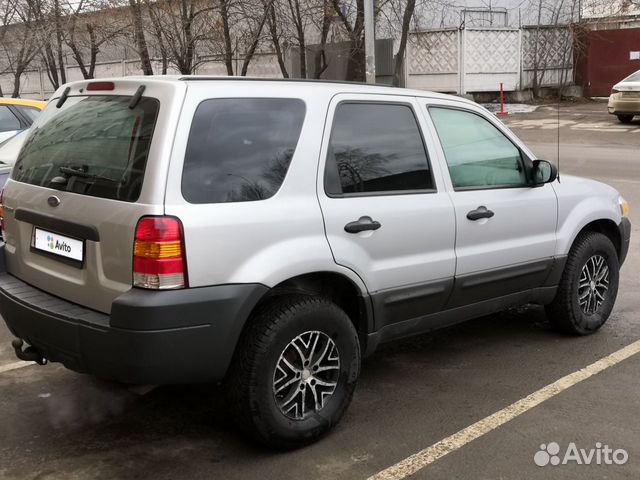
(75, 172)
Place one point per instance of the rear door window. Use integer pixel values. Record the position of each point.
(92, 145)
(376, 148)
(240, 149)
(8, 121)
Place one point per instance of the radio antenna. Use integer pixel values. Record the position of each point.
(558, 139)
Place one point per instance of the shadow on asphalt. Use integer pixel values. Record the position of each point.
(175, 431)
(120, 417)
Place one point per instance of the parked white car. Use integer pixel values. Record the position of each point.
(624, 101)
(269, 234)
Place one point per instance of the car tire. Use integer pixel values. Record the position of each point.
(588, 287)
(272, 406)
(625, 118)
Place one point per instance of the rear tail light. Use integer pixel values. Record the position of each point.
(2, 213)
(159, 260)
(98, 86)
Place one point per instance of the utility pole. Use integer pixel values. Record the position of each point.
(369, 41)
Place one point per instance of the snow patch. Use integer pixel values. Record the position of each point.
(511, 107)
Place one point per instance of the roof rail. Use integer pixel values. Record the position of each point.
(197, 78)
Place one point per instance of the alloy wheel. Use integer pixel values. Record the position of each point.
(593, 284)
(306, 374)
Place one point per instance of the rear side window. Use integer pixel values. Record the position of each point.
(30, 112)
(376, 148)
(92, 145)
(8, 121)
(240, 149)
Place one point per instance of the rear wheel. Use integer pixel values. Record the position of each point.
(589, 286)
(295, 371)
(625, 118)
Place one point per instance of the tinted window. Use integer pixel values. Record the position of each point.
(376, 148)
(93, 145)
(240, 149)
(8, 121)
(30, 112)
(477, 153)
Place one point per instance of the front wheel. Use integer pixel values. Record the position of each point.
(295, 371)
(625, 118)
(588, 287)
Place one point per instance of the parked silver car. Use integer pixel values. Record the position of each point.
(269, 234)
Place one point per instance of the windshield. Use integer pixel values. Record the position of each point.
(92, 145)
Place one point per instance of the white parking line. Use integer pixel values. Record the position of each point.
(420, 460)
(14, 366)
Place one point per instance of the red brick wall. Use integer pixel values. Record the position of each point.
(603, 60)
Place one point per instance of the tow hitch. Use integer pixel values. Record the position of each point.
(29, 354)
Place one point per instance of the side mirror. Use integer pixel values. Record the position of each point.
(543, 172)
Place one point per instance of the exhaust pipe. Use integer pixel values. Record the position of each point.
(29, 354)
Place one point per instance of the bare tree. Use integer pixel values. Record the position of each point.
(406, 24)
(57, 20)
(353, 23)
(156, 31)
(320, 60)
(247, 19)
(139, 36)
(21, 44)
(252, 33)
(552, 40)
(297, 18)
(88, 29)
(276, 34)
(7, 14)
(179, 26)
(226, 34)
(49, 16)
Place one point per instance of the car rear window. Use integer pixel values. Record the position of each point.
(634, 77)
(92, 145)
(30, 112)
(240, 149)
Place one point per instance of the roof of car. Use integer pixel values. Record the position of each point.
(23, 102)
(331, 85)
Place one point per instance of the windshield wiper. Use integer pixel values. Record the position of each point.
(75, 172)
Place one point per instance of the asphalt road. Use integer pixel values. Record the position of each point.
(55, 424)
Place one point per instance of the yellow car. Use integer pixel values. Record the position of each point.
(17, 114)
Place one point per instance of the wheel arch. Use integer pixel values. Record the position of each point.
(595, 213)
(338, 287)
(608, 228)
(350, 296)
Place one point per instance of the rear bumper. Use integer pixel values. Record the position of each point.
(171, 337)
(624, 106)
(625, 238)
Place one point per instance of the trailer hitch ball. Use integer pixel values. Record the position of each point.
(29, 354)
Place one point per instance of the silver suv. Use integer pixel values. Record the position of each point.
(269, 234)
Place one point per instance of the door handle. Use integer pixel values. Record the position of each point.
(361, 225)
(480, 212)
